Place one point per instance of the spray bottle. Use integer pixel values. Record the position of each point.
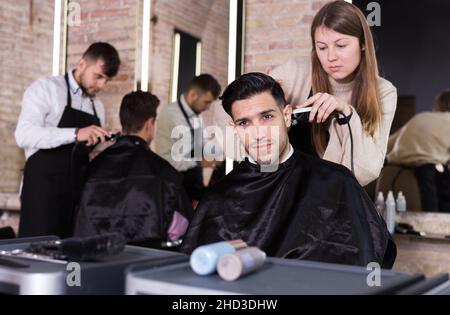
(390, 212)
(380, 205)
(401, 202)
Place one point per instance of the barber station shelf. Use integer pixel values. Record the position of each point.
(106, 276)
(443, 289)
(276, 277)
(428, 237)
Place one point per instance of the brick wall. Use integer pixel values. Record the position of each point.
(113, 21)
(277, 30)
(26, 34)
(119, 22)
(26, 30)
(207, 20)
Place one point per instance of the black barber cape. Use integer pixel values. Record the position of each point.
(308, 209)
(131, 190)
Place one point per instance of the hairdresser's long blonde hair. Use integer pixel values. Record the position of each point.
(345, 18)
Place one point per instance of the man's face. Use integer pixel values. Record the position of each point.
(262, 126)
(202, 101)
(92, 78)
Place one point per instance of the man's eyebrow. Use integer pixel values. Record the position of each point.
(101, 75)
(259, 114)
(266, 112)
(241, 120)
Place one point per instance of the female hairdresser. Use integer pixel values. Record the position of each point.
(341, 75)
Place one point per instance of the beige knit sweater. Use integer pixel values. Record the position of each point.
(425, 139)
(369, 152)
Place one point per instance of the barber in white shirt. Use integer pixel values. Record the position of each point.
(202, 91)
(61, 119)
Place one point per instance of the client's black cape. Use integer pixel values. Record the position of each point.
(130, 190)
(308, 209)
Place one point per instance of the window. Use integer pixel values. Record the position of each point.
(186, 62)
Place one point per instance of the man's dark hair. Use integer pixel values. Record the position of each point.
(205, 83)
(442, 102)
(251, 84)
(108, 54)
(136, 109)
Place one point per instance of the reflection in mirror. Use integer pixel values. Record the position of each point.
(419, 146)
(188, 38)
(29, 56)
(186, 62)
(48, 37)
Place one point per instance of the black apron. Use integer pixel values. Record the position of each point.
(192, 178)
(53, 178)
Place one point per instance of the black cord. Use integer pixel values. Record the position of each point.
(346, 121)
(72, 174)
(72, 179)
(351, 146)
(296, 118)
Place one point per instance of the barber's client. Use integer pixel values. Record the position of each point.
(131, 190)
(287, 203)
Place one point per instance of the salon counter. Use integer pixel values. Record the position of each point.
(279, 277)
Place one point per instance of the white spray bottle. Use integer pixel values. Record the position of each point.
(390, 212)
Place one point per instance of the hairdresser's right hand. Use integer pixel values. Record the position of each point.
(323, 104)
(92, 134)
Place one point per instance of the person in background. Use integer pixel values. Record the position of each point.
(131, 190)
(61, 119)
(424, 144)
(202, 91)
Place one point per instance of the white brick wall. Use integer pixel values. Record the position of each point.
(112, 21)
(25, 54)
(277, 30)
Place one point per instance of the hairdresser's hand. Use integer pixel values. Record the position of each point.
(91, 135)
(323, 104)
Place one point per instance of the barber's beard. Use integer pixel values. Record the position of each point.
(83, 87)
(194, 107)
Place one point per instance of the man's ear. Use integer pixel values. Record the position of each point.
(191, 96)
(150, 123)
(287, 114)
(82, 65)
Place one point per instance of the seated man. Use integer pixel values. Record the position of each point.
(287, 203)
(131, 190)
